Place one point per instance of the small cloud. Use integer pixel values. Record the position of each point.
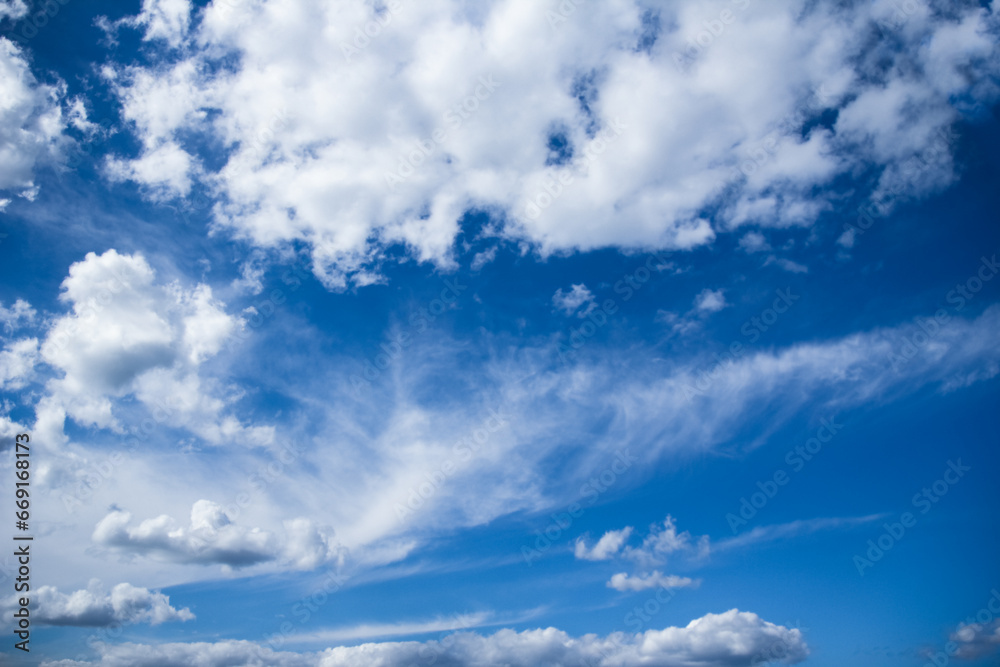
(754, 242)
(483, 258)
(847, 239)
(609, 545)
(710, 301)
(655, 579)
(571, 301)
(93, 607)
(787, 265)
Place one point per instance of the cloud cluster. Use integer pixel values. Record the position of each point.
(128, 335)
(351, 128)
(31, 118)
(93, 607)
(730, 639)
(212, 538)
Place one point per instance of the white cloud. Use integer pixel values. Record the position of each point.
(730, 639)
(607, 547)
(704, 134)
(17, 361)
(127, 335)
(663, 541)
(710, 301)
(754, 242)
(655, 579)
(31, 119)
(13, 317)
(93, 607)
(13, 9)
(573, 299)
(212, 538)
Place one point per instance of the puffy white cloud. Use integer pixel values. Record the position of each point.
(607, 547)
(17, 361)
(31, 118)
(663, 541)
(94, 607)
(127, 335)
(571, 300)
(212, 538)
(710, 301)
(615, 125)
(655, 579)
(730, 639)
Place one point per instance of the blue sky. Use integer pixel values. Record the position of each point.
(505, 332)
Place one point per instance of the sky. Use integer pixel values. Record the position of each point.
(508, 332)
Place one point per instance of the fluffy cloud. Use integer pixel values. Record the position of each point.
(571, 300)
(607, 547)
(18, 314)
(212, 538)
(663, 541)
(655, 579)
(17, 361)
(31, 118)
(93, 607)
(730, 639)
(613, 125)
(128, 335)
(710, 301)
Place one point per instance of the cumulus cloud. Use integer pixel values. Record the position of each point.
(730, 639)
(128, 335)
(31, 118)
(607, 547)
(571, 300)
(93, 607)
(595, 129)
(17, 361)
(663, 541)
(212, 538)
(655, 579)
